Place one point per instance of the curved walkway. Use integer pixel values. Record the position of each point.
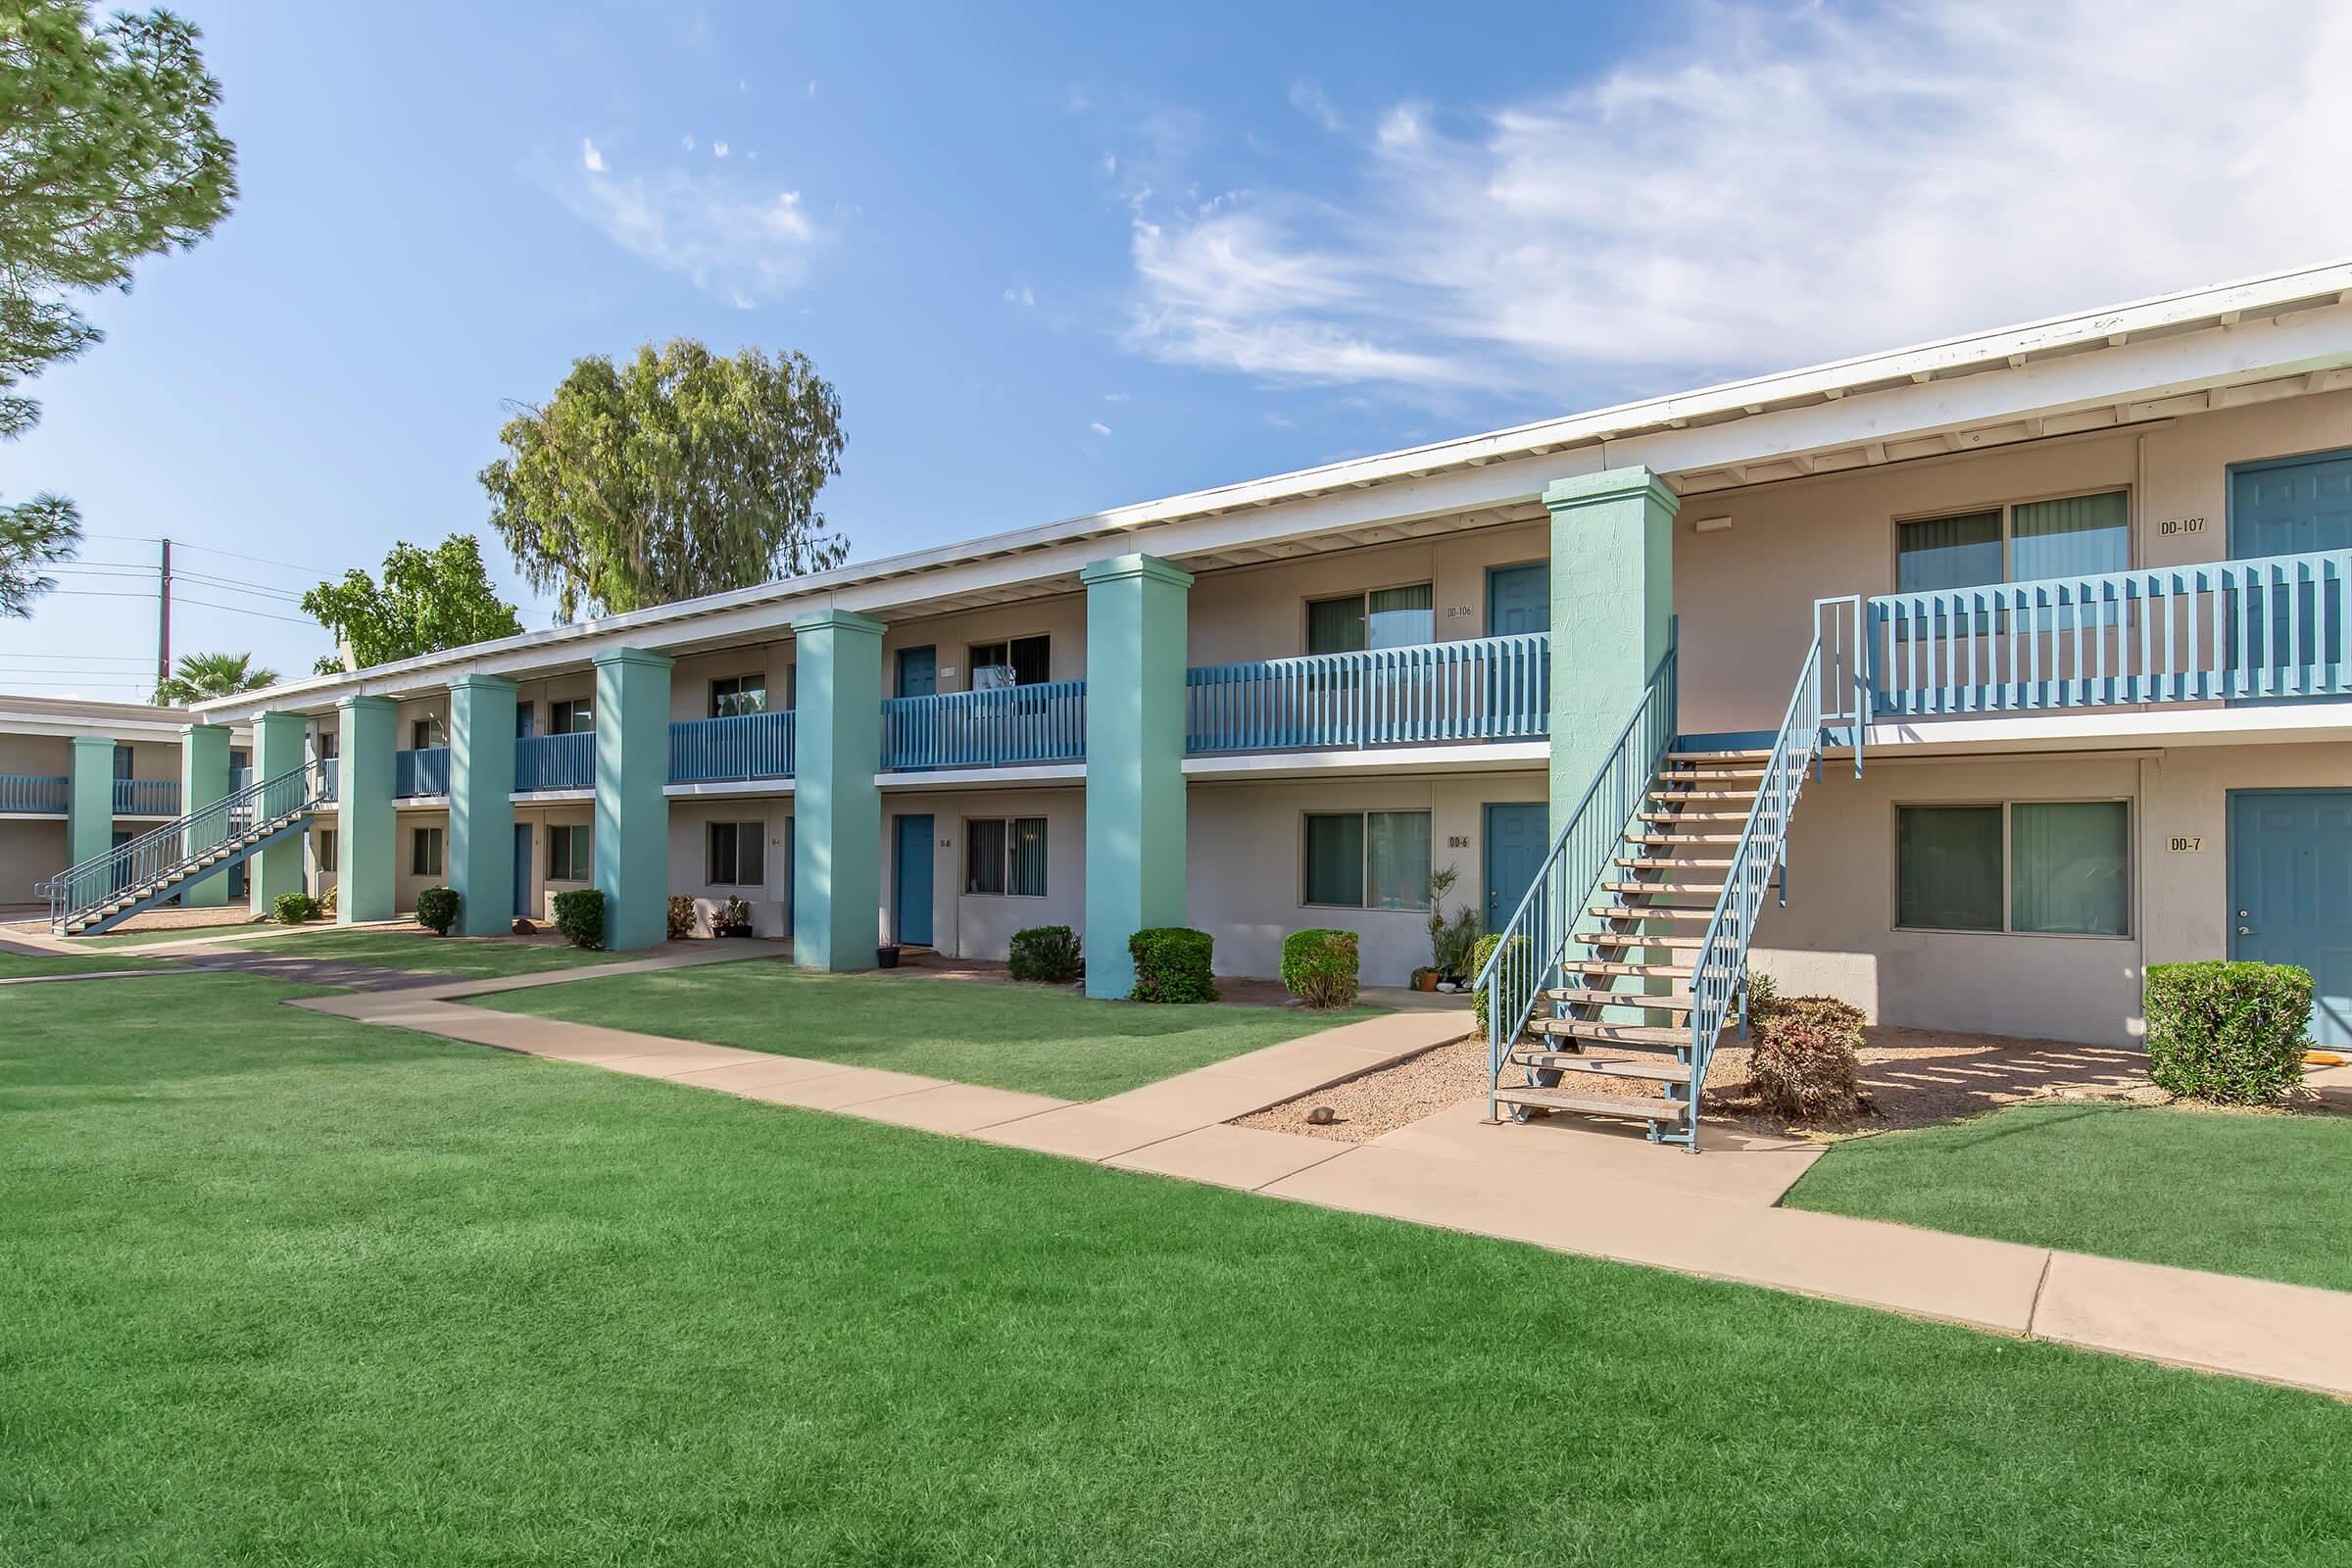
(1571, 1188)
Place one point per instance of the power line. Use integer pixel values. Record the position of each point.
(240, 609)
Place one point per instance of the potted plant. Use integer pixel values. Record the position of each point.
(887, 956)
(1424, 979)
(1451, 939)
(734, 919)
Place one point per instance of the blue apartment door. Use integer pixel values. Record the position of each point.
(910, 886)
(918, 672)
(2290, 894)
(1516, 841)
(2290, 508)
(522, 871)
(1518, 600)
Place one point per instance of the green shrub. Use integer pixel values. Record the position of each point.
(1802, 1056)
(681, 917)
(293, 908)
(580, 916)
(1320, 967)
(1479, 953)
(1047, 954)
(2232, 1033)
(1172, 964)
(437, 909)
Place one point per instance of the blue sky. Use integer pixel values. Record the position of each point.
(1068, 257)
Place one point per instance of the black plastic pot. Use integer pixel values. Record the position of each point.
(886, 957)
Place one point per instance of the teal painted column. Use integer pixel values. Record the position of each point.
(630, 844)
(367, 826)
(481, 808)
(1134, 657)
(89, 798)
(1612, 612)
(203, 781)
(279, 744)
(836, 808)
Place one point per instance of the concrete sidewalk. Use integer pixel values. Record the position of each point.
(1572, 1187)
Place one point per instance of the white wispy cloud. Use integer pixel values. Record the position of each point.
(686, 142)
(1100, 428)
(1023, 296)
(590, 159)
(718, 149)
(735, 243)
(1809, 185)
(1313, 102)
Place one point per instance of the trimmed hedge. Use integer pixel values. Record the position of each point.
(1172, 964)
(1320, 967)
(580, 916)
(1802, 1056)
(1479, 953)
(437, 909)
(293, 908)
(2230, 1033)
(1047, 954)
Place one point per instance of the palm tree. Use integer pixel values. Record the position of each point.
(207, 675)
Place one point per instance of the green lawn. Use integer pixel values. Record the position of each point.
(288, 1288)
(2237, 1193)
(1046, 1042)
(468, 957)
(16, 963)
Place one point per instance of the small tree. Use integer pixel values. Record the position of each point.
(203, 676)
(428, 600)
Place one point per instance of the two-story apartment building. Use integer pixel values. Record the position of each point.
(78, 778)
(2069, 599)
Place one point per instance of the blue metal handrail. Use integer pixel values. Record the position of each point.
(2269, 626)
(1719, 973)
(741, 746)
(90, 885)
(565, 761)
(1043, 722)
(32, 791)
(1482, 688)
(1522, 965)
(423, 772)
(146, 797)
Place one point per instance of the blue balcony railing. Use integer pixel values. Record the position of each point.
(746, 745)
(32, 791)
(146, 797)
(565, 762)
(2265, 629)
(1487, 688)
(421, 772)
(1008, 725)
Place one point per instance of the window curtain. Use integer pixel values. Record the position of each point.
(1399, 859)
(718, 867)
(2070, 867)
(1032, 660)
(1335, 625)
(1938, 553)
(1335, 861)
(1402, 618)
(1948, 867)
(750, 854)
(984, 855)
(2080, 536)
(1028, 874)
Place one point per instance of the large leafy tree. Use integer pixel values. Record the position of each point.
(427, 601)
(203, 676)
(679, 474)
(108, 153)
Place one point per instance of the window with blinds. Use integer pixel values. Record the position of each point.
(1004, 856)
(2029, 867)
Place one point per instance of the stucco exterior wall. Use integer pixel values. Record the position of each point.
(539, 818)
(1246, 863)
(1746, 594)
(689, 860)
(30, 853)
(981, 925)
(43, 756)
(1062, 619)
(1244, 612)
(690, 679)
(1837, 935)
(407, 884)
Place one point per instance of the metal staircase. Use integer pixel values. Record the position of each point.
(1628, 957)
(104, 891)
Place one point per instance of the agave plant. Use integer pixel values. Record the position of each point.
(203, 676)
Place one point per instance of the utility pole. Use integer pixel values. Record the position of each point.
(163, 630)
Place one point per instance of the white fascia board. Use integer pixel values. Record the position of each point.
(2090, 729)
(550, 797)
(1050, 775)
(718, 791)
(1481, 757)
(1906, 399)
(126, 729)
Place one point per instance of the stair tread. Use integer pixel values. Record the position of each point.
(1682, 838)
(1652, 863)
(1637, 939)
(1742, 756)
(1648, 1069)
(1618, 966)
(1620, 1034)
(1690, 774)
(1656, 1002)
(1662, 887)
(1650, 1109)
(1691, 816)
(1664, 912)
